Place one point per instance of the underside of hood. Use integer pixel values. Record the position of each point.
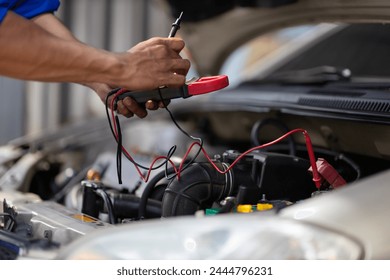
(212, 30)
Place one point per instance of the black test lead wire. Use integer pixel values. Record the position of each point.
(198, 139)
(118, 139)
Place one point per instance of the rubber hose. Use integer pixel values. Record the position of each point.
(199, 186)
(149, 189)
(126, 206)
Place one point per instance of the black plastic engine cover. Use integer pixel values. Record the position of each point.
(284, 177)
(275, 176)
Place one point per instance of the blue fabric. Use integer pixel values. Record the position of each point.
(27, 8)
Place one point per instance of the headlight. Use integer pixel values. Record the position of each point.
(250, 236)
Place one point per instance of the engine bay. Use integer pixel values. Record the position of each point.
(56, 189)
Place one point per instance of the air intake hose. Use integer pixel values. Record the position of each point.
(199, 186)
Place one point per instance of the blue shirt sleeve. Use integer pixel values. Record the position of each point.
(28, 8)
(3, 12)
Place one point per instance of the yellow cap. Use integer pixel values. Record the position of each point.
(93, 175)
(264, 206)
(244, 208)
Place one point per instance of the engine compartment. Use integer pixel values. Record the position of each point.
(70, 189)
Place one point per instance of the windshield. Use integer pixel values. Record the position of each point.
(363, 49)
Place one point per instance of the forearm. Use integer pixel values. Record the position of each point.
(54, 26)
(41, 55)
(31, 52)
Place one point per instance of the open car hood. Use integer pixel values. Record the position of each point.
(213, 29)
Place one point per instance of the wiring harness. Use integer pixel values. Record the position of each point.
(114, 123)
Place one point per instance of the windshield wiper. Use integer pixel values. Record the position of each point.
(316, 75)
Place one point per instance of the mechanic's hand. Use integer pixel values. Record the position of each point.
(152, 64)
(148, 65)
(127, 107)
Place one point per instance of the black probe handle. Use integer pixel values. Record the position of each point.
(164, 94)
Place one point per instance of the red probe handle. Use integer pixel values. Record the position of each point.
(208, 84)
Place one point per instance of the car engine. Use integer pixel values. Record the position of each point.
(57, 188)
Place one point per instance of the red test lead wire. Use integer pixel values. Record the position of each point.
(145, 178)
(309, 147)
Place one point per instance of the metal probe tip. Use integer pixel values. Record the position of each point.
(175, 26)
(179, 18)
